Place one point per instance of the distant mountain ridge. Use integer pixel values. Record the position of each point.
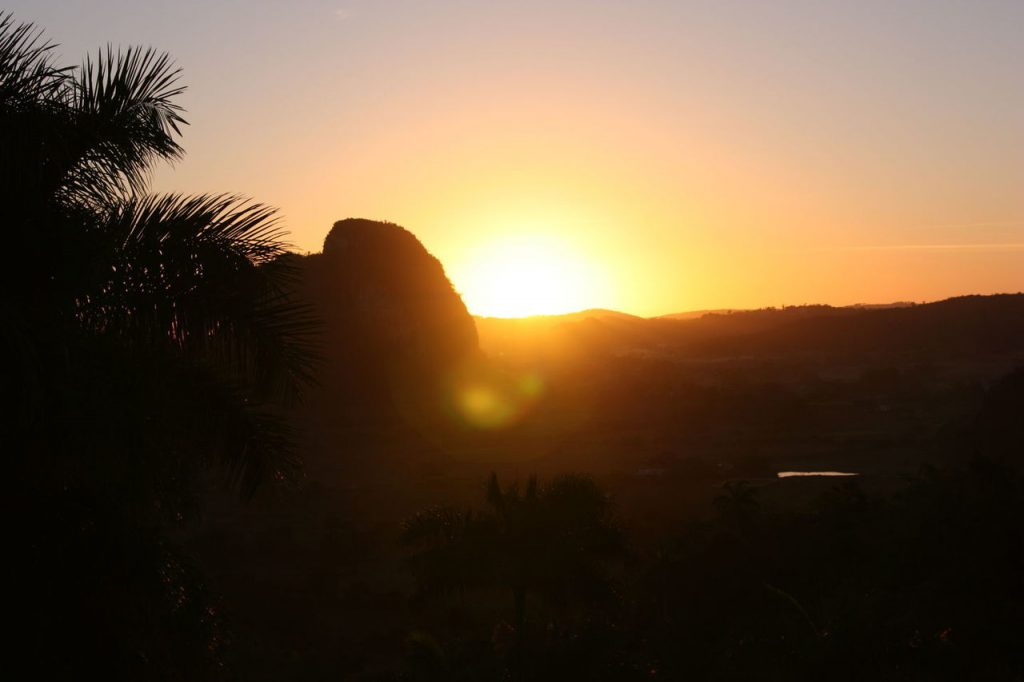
(599, 313)
(694, 314)
(963, 324)
(605, 313)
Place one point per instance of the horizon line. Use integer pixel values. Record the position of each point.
(726, 309)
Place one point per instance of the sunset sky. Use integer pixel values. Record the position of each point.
(648, 156)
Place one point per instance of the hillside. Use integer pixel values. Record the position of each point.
(957, 326)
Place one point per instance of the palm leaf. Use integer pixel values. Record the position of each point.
(125, 118)
(27, 72)
(204, 275)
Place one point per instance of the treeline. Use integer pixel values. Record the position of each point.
(924, 584)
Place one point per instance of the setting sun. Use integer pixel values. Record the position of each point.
(527, 274)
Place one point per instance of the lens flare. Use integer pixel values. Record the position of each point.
(484, 407)
(484, 397)
(531, 384)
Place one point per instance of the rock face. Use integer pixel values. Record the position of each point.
(393, 322)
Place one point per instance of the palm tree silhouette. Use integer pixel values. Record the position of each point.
(149, 339)
(185, 294)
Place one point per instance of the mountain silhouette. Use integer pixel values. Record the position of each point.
(393, 323)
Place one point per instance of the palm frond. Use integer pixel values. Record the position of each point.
(196, 291)
(31, 115)
(27, 72)
(253, 444)
(205, 276)
(126, 118)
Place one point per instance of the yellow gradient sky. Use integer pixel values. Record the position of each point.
(649, 156)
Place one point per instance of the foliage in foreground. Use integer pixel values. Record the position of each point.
(920, 584)
(149, 340)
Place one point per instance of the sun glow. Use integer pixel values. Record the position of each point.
(528, 274)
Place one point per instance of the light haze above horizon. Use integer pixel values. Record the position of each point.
(649, 157)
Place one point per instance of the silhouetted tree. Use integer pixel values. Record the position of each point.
(548, 541)
(149, 338)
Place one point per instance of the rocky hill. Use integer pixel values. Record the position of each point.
(392, 321)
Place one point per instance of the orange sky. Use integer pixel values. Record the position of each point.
(659, 156)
